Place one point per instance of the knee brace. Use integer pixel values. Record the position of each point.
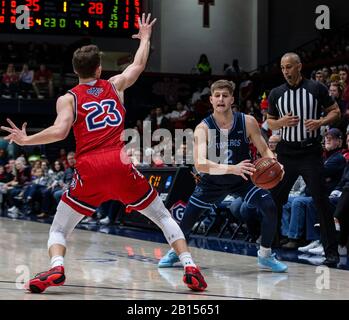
(63, 224)
(158, 213)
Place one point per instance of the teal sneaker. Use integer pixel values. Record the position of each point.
(168, 260)
(271, 263)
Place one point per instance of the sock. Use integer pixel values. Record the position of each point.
(264, 252)
(57, 261)
(186, 259)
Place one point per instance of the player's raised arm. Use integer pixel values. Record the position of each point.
(58, 131)
(129, 76)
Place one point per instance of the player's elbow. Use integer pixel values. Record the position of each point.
(200, 167)
(60, 133)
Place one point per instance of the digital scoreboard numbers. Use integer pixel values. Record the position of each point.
(74, 17)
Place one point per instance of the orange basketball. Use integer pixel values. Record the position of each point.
(268, 173)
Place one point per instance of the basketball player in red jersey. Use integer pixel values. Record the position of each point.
(103, 171)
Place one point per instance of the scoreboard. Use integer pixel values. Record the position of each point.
(117, 18)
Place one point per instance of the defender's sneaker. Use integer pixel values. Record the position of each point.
(54, 277)
(194, 279)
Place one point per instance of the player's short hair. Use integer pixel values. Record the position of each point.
(86, 60)
(223, 84)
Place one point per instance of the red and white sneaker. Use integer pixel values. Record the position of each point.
(53, 277)
(194, 279)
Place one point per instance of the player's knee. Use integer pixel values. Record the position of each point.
(268, 207)
(56, 237)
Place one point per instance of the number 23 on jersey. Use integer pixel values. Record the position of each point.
(102, 114)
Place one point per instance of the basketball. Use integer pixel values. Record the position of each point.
(268, 173)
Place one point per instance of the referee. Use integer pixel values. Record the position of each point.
(296, 107)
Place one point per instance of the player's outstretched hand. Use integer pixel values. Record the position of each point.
(244, 168)
(145, 28)
(16, 135)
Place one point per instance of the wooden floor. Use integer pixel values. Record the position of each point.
(101, 266)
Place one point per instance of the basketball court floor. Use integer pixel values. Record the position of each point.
(102, 266)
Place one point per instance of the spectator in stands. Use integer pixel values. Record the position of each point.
(234, 70)
(319, 76)
(303, 211)
(63, 157)
(203, 65)
(341, 215)
(35, 190)
(160, 121)
(196, 96)
(26, 78)
(335, 91)
(9, 82)
(45, 166)
(43, 80)
(326, 75)
(17, 186)
(56, 175)
(272, 143)
(34, 166)
(179, 117)
(334, 70)
(67, 177)
(5, 177)
(344, 80)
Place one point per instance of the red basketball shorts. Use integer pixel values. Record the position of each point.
(102, 176)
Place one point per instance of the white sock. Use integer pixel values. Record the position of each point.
(186, 259)
(57, 261)
(264, 252)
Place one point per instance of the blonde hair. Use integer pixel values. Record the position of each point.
(223, 84)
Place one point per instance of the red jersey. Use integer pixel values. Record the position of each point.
(99, 117)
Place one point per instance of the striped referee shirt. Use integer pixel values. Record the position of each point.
(307, 101)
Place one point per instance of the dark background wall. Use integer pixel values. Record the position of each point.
(292, 23)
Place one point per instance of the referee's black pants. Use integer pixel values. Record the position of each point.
(309, 165)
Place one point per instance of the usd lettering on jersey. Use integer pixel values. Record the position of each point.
(102, 114)
(95, 91)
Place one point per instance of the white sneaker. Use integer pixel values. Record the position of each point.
(319, 251)
(13, 215)
(342, 250)
(105, 221)
(88, 220)
(311, 245)
(40, 96)
(315, 260)
(13, 209)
